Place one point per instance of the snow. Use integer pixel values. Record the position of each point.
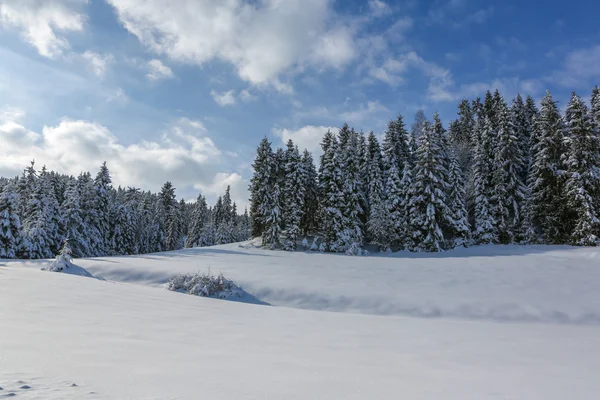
(510, 322)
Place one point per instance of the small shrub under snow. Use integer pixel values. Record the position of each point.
(355, 249)
(62, 260)
(205, 285)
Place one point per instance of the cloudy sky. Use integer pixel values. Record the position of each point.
(184, 90)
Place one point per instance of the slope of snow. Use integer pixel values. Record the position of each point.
(551, 284)
(121, 341)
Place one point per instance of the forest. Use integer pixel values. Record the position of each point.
(499, 174)
(40, 210)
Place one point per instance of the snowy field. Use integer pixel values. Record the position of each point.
(497, 322)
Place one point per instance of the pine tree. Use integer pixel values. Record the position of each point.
(378, 219)
(293, 194)
(10, 223)
(508, 190)
(271, 207)
(416, 130)
(331, 195)
(457, 217)
(199, 222)
(103, 187)
(428, 206)
(258, 185)
(72, 221)
(351, 183)
(521, 129)
(484, 224)
(546, 183)
(311, 199)
(582, 162)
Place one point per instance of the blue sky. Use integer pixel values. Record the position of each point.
(184, 90)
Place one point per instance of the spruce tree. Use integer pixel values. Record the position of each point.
(484, 225)
(271, 207)
(457, 217)
(311, 199)
(582, 162)
(198, 223)
(331, 195)
(102, 184)
(72, 221)
(10, 223)
(428, 208)
(546, 182)
(377, 223)
(507, 187)
(258, 185)
(293, 195)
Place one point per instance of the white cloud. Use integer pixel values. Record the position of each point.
(224, 99)
(157, 70)
(185, 155)
(362, 114)
(118, 95)
(262, 40)
(379, 8)
(579, 68)
(246, 96)
(11, 114)
(308, 137)
(40, 22)
(98, 63)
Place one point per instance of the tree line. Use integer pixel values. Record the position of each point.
(499, 174)
(40, 210)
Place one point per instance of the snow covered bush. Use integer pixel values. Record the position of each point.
(355, 249)
(62, 260)
(204, 284)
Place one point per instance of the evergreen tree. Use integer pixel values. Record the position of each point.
(582, 162)
(457, 217)
(311, 200)
(199, 222)
(507, 188)
(271, 207)
(331, 194)
(10, 223)
(546, 183)
(378, 220)
(103, 187)
(73, 226)
(258, 185)
(428, 207)
(293, 194)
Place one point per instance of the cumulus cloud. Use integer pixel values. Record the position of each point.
(308, 137)
(379, 8)
(157, 70)
(579, 68)
(364, 113)
(185, 155)
(43, 23)
(262, 40)
(224, 99)
(98, 63)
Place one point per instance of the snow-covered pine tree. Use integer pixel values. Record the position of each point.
(521, 129)
(393, 208)
(428, 208)
(484, 226)
(169, 216)
(351, 182)
(271, 207)
(416, 130)
(377, 223)
(258, 185)
(198, 223)
(10, 223)
(508, 191)
(311, 199)
(531, 113)
(103, 187)
(546, 182)
(460, 136)
(457, 218)
(72, 222)
(582, 162)
(331, 195)
(293, 195)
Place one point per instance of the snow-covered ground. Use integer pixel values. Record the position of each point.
(500, 322)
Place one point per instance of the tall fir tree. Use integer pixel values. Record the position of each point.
(377, 221)
(293, 194)
(582, 163)
(311, 199)
(259, 185)
(10, 222)
(546, 180)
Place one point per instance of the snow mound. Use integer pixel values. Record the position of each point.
(205, 285)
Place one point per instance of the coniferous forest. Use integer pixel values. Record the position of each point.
(41, 210)
(500, 173)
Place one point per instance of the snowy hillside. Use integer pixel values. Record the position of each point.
(510, 323)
